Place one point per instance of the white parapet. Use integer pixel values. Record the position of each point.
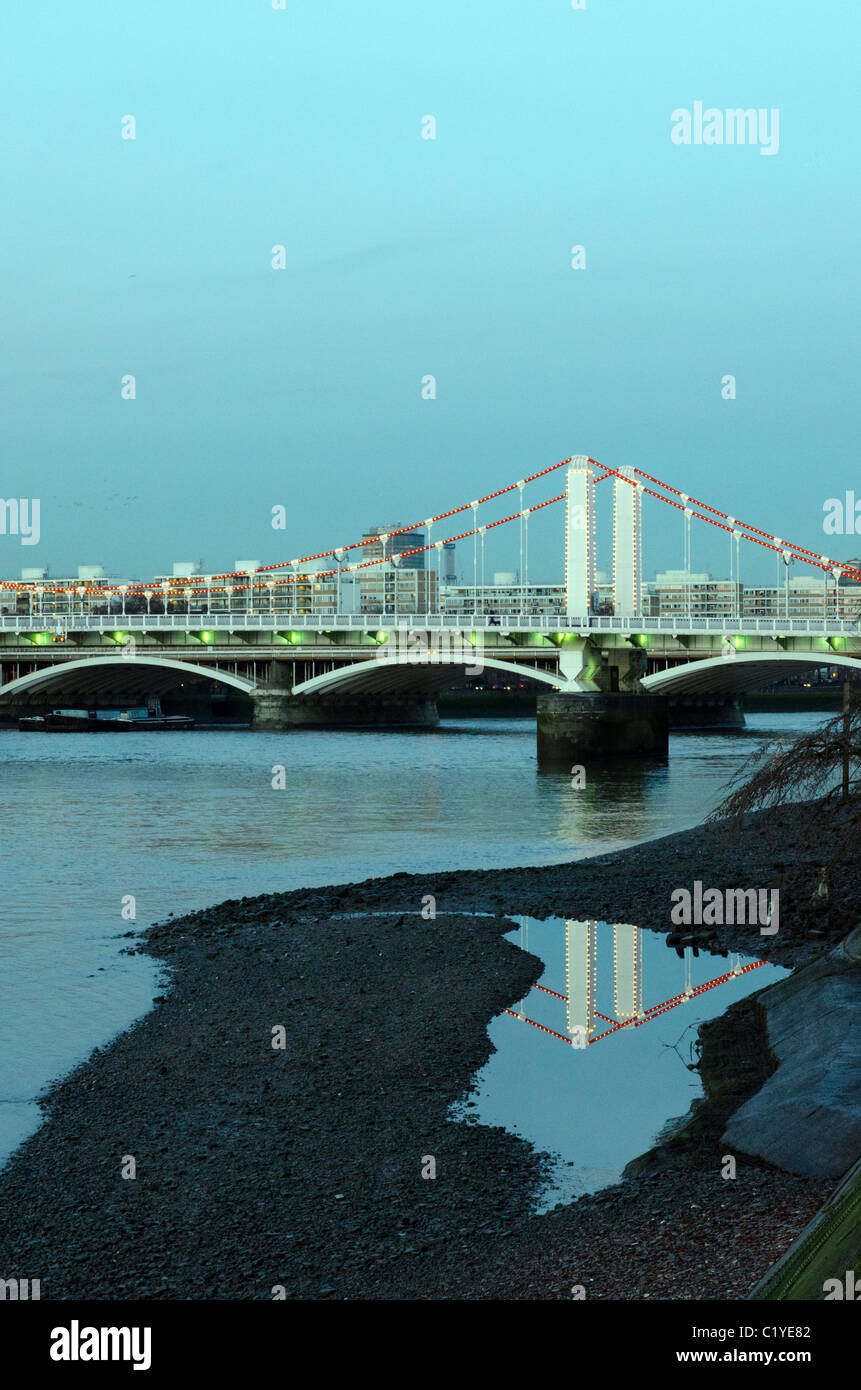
(579, 536)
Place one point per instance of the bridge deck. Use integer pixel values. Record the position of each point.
(364, 622)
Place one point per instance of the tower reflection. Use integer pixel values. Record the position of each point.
(581, 956)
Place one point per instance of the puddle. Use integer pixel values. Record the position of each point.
(594, 1062)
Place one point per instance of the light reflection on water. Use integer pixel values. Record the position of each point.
(187, 821)
(599, 1105)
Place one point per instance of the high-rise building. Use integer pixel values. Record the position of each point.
(376, 580)
(449, 572)
(375, 547)
(397, 590)
(682, 594)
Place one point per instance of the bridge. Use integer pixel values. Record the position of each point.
(604, 679)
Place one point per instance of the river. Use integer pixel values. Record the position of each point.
(184, 820)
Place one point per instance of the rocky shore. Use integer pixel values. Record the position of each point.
(302, 1168)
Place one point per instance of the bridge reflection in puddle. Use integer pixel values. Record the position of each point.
(581, 948)
(596, 1108)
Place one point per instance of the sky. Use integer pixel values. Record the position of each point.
(407, 257)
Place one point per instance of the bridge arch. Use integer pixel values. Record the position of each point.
(102, 675)
(745, 671)
(383, 675)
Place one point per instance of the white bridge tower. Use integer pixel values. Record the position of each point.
(579, 537)
(627, 544)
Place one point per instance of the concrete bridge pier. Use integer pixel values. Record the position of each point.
(272, 700)
(277, 708)
(718, 711)
(579, 728)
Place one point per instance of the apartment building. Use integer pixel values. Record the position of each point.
(504, 595)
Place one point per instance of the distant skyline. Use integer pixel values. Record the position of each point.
(408, 258)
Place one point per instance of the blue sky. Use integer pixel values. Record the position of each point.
(407, 256)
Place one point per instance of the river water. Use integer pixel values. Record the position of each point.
(598, 1106)
(184, 820)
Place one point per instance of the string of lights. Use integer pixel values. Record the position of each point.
(177, 587)
(654, 1011)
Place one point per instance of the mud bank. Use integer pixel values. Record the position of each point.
(304, 1166)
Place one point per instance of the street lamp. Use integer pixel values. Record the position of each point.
(837, 572)
(339, 556)
(396, 560)
(384, 536)
(294, 609)
(525, 580)
(787, 558)
(438, 545)
(736, 536)
(826, 563)
(474, 506)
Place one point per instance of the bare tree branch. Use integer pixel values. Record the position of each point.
(818, 770)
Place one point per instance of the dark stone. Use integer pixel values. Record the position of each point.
(276, 709)
(579, 728)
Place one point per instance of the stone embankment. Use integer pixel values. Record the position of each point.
(806, 1117)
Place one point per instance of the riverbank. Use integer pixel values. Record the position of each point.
(302, 1166)
(521, 704)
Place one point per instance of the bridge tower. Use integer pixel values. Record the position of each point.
(627, 972)
(627, 545)
(581, 944)
(579, 536)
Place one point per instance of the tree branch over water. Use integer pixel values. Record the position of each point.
(819, 771)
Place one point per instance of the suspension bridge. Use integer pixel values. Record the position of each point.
(277, 633)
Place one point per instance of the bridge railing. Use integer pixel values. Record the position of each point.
(372, 622)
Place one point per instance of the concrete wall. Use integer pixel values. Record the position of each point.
(574, 728)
